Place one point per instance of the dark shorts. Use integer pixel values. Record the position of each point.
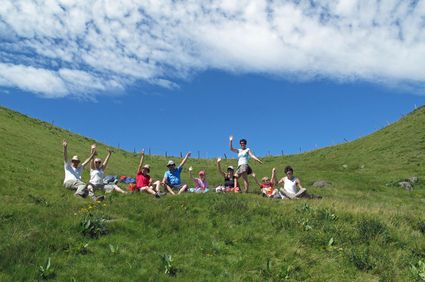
(244, 169)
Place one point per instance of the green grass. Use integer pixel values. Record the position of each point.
(364, 229)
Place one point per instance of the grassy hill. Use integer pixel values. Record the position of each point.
(364, 229)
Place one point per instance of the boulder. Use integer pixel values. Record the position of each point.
(413, 179)
(406, 185)
(321, 184)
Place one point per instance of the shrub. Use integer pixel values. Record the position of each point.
(93, 225)
(361, 259)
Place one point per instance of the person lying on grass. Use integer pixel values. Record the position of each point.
(73, 171)
(172, 179)
(290, 184)
(97, 173)
(144, 183)
(244, 154)
(201, 183)
(267, 185)
(230, 179)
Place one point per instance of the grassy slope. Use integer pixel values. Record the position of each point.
(377, 230)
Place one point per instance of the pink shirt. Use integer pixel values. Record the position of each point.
(200, 184)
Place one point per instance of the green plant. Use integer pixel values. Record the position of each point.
(418, 270)
(46, 271)
(362, 259)
(114, 249)
(93, 225)
(167, 264)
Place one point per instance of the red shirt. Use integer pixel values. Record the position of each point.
(268, 188)
(142, 180)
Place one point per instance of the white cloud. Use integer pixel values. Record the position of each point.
(85, 48)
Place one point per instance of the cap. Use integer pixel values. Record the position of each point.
(97, 160)
(201, 172)
(230, 167)
(146, 166)
(75, 158)
(170, 163)
(265, 178)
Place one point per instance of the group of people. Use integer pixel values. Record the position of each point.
(172, 182)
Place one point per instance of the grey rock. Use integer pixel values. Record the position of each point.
(345, 166)
(413, 179)
(406, 185)
(321, 184)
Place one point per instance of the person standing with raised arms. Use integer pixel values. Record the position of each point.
(244, 154)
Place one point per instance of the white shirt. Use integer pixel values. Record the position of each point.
(243, 156)
(72, 173)
(96, 176)
(290, 186)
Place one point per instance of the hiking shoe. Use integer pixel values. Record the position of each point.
(98, 198)
(157, 195)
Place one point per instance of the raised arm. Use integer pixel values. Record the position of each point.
(93, 149)
(65, 151)
(142, 156)
(231, 145)
(251, 154)
(190, 174)
(93, 153)
(105, 162)
(185, 159)
(219, 167)
(255, 179)
(273, 179)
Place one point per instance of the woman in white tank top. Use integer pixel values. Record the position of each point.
(244, 154)
(97, 174)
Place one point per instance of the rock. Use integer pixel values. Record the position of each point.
(345, 166)
(362, 166)
(413, 179)
(321, 184)
(406, 185)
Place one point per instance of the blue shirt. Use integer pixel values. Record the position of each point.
(173, 177)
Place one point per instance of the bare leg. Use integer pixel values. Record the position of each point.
(118, 189)
(168, 188)
(148, 189)
(289, 195)
(156, 185)
(245, 182)
(184, 187)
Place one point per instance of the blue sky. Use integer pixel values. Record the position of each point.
(179, 75)
(273, 114)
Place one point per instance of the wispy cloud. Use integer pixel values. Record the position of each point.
(85, 48)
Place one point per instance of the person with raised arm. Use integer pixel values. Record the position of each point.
(73, 172)
(172, 179)
(201, 183)
(144, 183)
(230, 179)
(267, 185)
(244, 154)
(290, 184)
(97, 173)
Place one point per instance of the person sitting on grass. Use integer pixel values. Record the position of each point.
(243, 167)
(172, 179)
(73, 171)
(267, 185)
(97, 173)
(201, 183)
(290, 184)
(144, 183)
(230, 179)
